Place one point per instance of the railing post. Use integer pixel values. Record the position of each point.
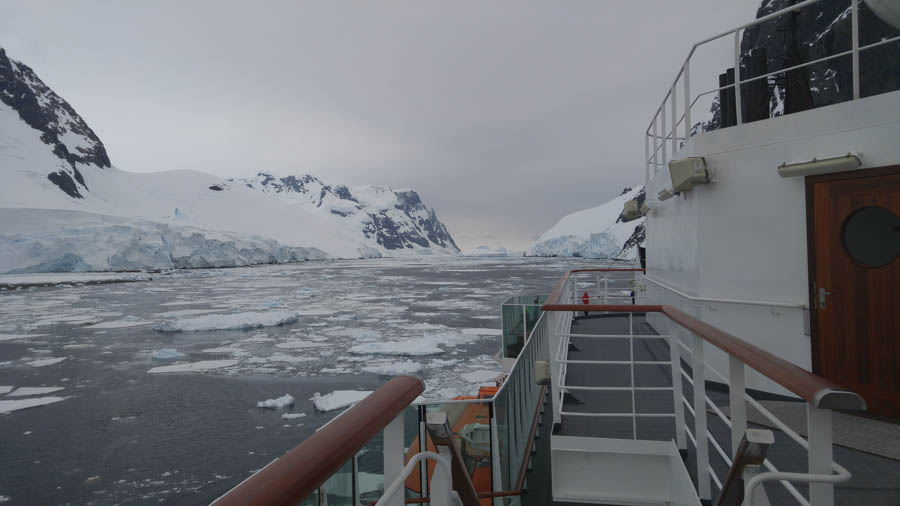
(737, 77)
(674, 120)
(736, 386)
(699, 370)
(633, 386)
(687, 100)
(677, 394)
(820, 454)
(555, 367)
(662, 131)
(655, 146)
(393, 454)
(646, 158)
(524, 326)
(854, 21)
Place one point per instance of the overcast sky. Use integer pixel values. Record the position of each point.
(505, 116)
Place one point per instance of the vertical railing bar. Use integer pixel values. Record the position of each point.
(687, 100)
(646, 159)
(674, 119)
(655, 146)
(737, 77)
(736, 390)
(699, 371)
(631, 354)
(854, 20)
(820, 454)
(677, 394)
(662, 128)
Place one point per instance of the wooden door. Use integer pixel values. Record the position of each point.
(854, 227)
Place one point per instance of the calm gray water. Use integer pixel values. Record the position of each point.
(123, 435)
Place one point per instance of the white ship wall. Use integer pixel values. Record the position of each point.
(744, 235)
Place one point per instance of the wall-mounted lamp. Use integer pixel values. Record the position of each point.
(814, 167)
(688, 173)
(665, 194)
(632, 211)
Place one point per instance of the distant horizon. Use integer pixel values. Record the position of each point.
(504, 117)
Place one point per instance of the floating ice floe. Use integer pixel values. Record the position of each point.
(224, 349)
(283, 357)
(43, 362)
(12, 337)
(483, 332)
(479, 376)
(292, 416)
(166, 354)
(412, 348)
(120, 324)
(203, 365)
(296, 344)
(6, 389)
(236, 321)
(258, 338)
(186, 312)
(394, 368)
(32, 391)
(486, 317)
(8, 406)
(338, 399)
(281, 402)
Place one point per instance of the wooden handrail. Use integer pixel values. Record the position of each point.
(557, 290)
(293, 477)
(814, 389)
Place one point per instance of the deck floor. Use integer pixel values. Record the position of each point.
(876, 479)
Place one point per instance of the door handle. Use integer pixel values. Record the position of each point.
(822, 294)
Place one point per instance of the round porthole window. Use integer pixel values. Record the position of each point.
(872, 236)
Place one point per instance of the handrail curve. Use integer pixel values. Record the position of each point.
(298, 473)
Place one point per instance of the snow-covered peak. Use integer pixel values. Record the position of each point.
(58, 126)
(598, 232)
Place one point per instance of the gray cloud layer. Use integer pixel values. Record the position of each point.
(504, 115)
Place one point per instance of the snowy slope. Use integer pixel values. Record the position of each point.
(51, 160)
(598, 232)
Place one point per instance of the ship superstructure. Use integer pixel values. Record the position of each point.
(750, 357)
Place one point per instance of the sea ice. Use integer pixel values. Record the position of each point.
(223, 349)
(483, 332)
(12, 337)
(236, 321)
(46, 361)
(7, 406)
(166, 354)
(291, 416)
(32, 391)
(203, 365)
(338, 399)
(6, 389)
(120, 324)
(394, 368)
(482, 376)
(281, 402)
(412, 348)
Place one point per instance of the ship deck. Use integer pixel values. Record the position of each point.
(876, 478)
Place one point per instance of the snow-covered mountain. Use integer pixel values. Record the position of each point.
(598, 232)
(51, 160)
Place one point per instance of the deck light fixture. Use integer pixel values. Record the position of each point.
(688, 173)
(814, 167)
(632, 210)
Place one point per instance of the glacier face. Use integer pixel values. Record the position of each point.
(598, 232)
(51, 160)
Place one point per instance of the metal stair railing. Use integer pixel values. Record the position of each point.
(820, 395)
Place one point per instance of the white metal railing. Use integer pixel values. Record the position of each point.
(660, 133)
(823, 471)
(440, 487)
